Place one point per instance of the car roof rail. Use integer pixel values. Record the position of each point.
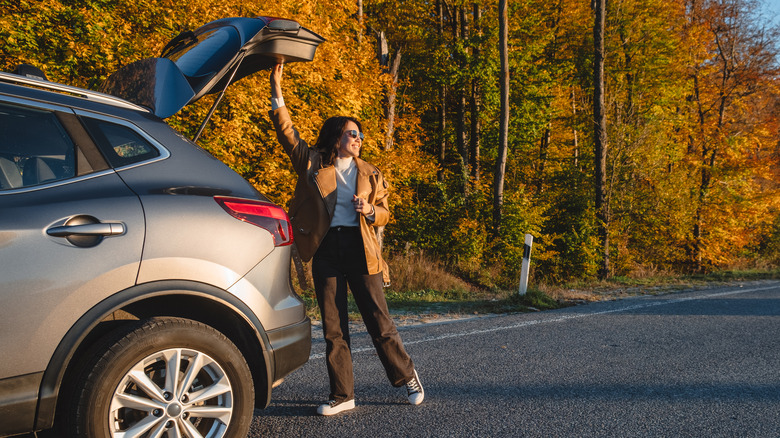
(37, 81)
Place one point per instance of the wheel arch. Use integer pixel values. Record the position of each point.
(197, 301)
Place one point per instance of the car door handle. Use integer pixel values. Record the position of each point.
(99, 229)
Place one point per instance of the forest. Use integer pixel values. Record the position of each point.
(629, 137)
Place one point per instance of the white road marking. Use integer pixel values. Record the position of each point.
(561, 318)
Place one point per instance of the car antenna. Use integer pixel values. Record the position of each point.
(219, 98)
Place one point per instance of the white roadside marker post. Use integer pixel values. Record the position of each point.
(529, 240)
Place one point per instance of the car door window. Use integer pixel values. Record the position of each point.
(34, 148)
(120, 144)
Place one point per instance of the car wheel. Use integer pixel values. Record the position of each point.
(165, 377)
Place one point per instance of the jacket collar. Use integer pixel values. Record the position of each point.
(365, 170)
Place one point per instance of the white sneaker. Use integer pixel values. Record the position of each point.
(333, 407)
(414, 390)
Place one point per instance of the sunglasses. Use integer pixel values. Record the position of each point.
(354, 134)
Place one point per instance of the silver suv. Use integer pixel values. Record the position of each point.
(144, 286)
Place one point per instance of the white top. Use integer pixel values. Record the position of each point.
(346, 178)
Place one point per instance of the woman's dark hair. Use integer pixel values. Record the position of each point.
(329, 137)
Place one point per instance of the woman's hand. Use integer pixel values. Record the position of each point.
(276, 80)
(362, 206)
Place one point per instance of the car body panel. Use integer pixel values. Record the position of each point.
(211, 248)
(193, 238)
(55, 278)
(271, 294)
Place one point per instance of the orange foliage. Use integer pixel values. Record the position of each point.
(693, 128)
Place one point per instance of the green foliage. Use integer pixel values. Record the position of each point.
(536, 299)
(768, 248)
(430, 218)
(431, 301)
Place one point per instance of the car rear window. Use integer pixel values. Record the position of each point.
(120, 144)
(209, 53)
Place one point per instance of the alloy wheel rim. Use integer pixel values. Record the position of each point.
(175, 392)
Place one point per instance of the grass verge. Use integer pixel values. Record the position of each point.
(462, 302)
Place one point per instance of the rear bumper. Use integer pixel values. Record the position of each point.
(291, 346)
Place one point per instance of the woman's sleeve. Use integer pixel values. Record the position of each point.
(288, 137)
(381, 208)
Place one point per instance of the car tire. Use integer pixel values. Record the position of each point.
(124, 390)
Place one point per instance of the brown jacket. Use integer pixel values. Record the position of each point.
(314, 201)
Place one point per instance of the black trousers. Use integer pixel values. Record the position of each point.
(339, 262)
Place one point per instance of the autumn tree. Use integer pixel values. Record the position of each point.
(600, 134)
(728, 79)
(503, 135)
(690, 91)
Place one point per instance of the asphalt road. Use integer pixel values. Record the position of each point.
(702, 363)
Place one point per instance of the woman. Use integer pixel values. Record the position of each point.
(338, 200)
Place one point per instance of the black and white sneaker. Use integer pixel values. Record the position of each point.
(334, 407)
(414, 390)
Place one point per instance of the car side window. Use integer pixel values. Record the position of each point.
(120, 144)
(34, 148)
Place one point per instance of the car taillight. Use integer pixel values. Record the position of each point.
(263, 214)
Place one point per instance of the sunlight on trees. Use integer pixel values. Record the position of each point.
(691, 93)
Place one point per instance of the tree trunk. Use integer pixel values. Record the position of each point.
(442, 101)
(576, 140)
(382, 51)
(391, 94)
(600, 135)
(475, 131)
(442, 140)
(461, 117)
(296, 258)
(503, 134)
(475, 106)
(544, 145)
(360, 20)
